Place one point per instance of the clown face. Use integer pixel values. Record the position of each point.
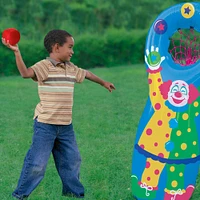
(178, 94)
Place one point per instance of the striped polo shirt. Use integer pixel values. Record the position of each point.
(56, 90)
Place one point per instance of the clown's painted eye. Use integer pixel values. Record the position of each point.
(184, 90)
(174, 89)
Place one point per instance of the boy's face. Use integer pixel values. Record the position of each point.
(65, 52)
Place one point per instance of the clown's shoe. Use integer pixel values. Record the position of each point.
(142, 190)
(179, 194)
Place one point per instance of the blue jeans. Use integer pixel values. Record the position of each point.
(61, 141)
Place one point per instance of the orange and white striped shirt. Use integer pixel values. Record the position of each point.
(56, 90)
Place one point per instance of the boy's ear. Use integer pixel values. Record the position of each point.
(55, 47)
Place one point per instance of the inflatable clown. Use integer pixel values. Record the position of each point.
(166, 151)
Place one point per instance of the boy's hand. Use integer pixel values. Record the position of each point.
(109, 86)
(90, 76)
(14, 48)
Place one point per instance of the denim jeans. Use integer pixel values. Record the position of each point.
(61, 141)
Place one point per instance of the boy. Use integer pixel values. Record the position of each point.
(53, 130)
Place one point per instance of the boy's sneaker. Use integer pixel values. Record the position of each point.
(73, 195)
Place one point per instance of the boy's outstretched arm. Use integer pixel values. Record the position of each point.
(24, 71)
(90, 76)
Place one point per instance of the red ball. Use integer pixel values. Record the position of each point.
(11, 34)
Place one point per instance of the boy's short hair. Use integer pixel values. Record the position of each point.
(55, 36)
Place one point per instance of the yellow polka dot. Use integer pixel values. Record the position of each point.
(196, 104)
(174, 184)
(180, 174)
(185, 116)
(178, 133)
(189, 130)
(183, 146)
(176, 154)
(194, 143)
(194, 155)
(196, 114)
(172, 168)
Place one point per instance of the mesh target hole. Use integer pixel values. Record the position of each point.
(185, 47)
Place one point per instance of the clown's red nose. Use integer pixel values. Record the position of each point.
(178, 94)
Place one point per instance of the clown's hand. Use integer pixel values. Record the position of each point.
(153, 58)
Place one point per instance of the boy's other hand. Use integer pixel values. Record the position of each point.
(14, 48)
(109, 86)
(96, 79)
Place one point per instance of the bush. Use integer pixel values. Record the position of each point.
(115, 47)
(31, 52)
(7, 64)
(89, 51)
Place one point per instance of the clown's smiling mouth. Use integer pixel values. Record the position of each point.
(177, 101)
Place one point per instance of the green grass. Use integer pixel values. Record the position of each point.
(105, 125)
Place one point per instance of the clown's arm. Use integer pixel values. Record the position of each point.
(153, 61)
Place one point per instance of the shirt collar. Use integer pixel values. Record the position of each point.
(54, 62)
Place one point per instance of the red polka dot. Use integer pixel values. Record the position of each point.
(142, 146)
(157, 106)
(156, 172)
(149, 81)
(167, 135)
(159, 122)
(148, 178)
(168, 114)
(161, 155)
(149, 131)
(148, 164)
(154, 93)
(155, 144)
(159, 79)
(139, 182)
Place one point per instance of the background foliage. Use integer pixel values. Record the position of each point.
(106, 32)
